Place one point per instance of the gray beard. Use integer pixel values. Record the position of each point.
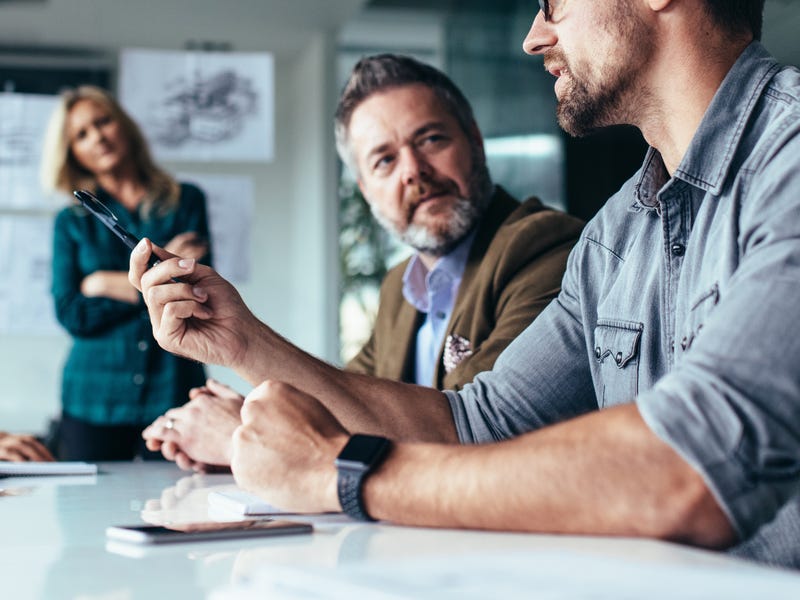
(466, 214)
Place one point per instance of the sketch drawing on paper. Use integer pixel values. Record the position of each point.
(18, 145)
(208, 109)
(201, 106)
(22, 122)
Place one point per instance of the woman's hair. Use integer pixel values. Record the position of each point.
(62, 172)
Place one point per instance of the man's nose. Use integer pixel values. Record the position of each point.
(414, 167)
(540, 37)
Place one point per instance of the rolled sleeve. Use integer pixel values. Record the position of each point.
(520, 394)
(731, 407)
(750, 490)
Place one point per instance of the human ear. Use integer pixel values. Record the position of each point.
(360, 185)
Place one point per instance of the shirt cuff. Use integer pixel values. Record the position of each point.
(460, 418)
(709, 437)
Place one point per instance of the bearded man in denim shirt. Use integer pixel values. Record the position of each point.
(658, 396)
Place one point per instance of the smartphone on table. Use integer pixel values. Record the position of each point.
(195, 532)
(109, 219)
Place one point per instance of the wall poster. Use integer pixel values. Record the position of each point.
(201, 106)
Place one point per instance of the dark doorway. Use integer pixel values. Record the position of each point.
(597, 166)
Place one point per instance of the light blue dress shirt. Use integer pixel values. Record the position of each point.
(434, 293)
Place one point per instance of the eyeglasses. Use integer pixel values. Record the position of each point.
(544, 6)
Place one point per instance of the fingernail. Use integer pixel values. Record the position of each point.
(186, 263)
(140, 247)
(199, 292)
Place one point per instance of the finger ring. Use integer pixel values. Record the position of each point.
(170, 423)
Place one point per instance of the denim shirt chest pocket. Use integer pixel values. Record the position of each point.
(699, 309)
(616, 352)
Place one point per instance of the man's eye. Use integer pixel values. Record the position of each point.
(434, 138)
(383, 162)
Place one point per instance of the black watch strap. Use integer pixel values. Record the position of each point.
(360, 456)
(348, 486)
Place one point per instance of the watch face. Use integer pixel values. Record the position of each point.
(362, 451)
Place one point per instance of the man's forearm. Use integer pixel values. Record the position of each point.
(363, 404)
(603, 474)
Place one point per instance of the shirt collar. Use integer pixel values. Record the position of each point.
(710, 154)
(417, 277)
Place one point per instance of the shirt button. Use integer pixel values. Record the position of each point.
(440, 315)
(678, 249)
(618, 358)
(598, 352)
(143, 345)
(138, 379)
(684, 343)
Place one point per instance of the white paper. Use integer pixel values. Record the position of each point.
(241, 503)
(201, 106)
(230, 204)
(23, 120)
(26, 305)
(34, 468)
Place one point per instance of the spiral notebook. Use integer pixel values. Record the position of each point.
(36, 469)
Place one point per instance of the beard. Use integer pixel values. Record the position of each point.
(612, 95)
(438, 239)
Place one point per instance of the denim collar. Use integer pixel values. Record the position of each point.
(710, 153)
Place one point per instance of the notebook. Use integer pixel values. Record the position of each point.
(35, 469)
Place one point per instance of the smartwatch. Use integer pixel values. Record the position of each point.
(360, 456)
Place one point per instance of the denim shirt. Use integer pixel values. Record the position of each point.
(683, 295)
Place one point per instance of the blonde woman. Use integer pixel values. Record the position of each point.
(116, 379)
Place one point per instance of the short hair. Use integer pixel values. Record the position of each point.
(381, 72)
(60, 170)
(738, 16)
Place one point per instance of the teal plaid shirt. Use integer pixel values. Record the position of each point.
(115, 373)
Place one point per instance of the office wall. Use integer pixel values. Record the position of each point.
(294, 281)
(315, 227)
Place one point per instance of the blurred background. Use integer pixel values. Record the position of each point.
(289, 225)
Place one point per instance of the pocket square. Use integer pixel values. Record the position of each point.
(456, 349)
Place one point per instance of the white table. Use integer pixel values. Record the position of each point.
(54, 546)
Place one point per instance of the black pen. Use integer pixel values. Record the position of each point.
(109, 219)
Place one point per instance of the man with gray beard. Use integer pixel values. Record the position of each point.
(484, 266)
